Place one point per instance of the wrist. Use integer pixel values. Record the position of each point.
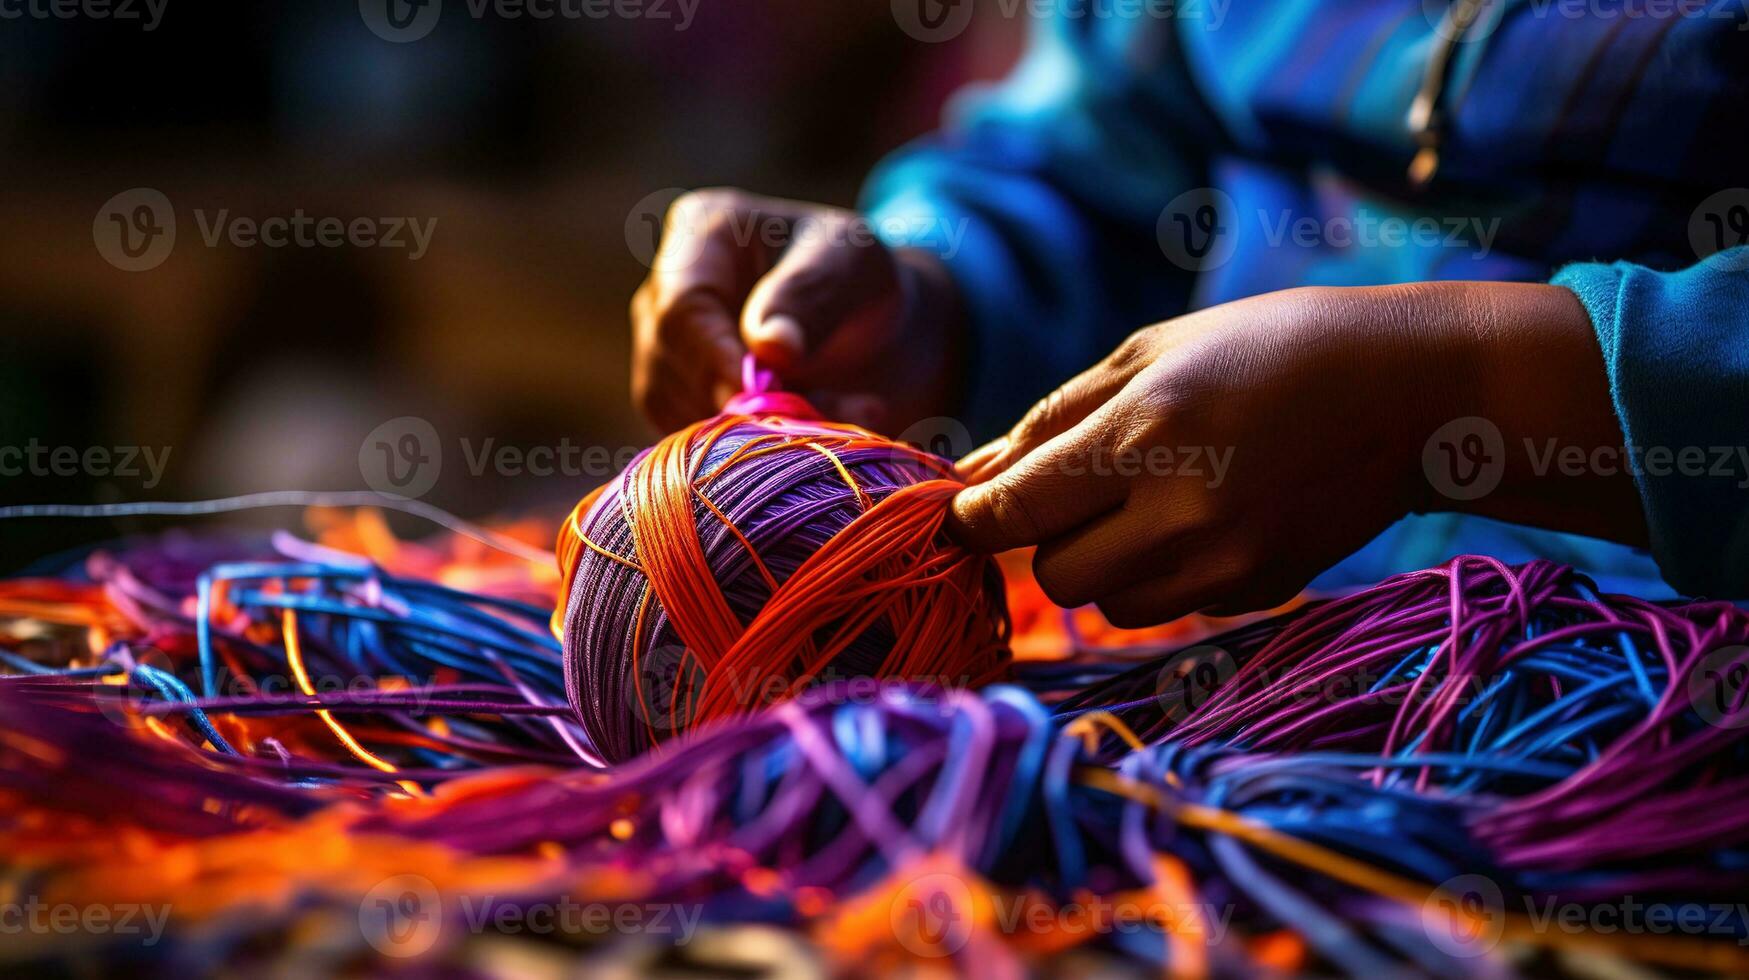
(1528, 414)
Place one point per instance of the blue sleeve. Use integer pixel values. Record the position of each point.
(1041, 197)
(1677, 348)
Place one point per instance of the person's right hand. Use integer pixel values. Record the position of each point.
(866, 331)
(1220, 460)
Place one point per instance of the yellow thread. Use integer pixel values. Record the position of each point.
(1084, 726)
(603, 552)
(764, 572)
(843, 472)
(295, 656)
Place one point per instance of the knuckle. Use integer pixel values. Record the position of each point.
(694, 222)
(704, 203)
(1134, 350)
(1152, 409)
(1135, 434)
(1037, 419)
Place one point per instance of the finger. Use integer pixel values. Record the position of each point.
(669, 389)
(1252, 599)
(824, 303)
(1049, 492)
(680, 366)
(1105, 557)
(974, 467)
(1191, 588)
(697, 334)
(668, 399)
(712, 252)
(1056, 413)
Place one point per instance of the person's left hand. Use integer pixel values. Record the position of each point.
(1221, 460)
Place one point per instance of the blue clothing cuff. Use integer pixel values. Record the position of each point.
(1676, 345)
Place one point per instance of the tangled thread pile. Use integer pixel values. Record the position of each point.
(259, 733)
(1295, 793)
(757, 553)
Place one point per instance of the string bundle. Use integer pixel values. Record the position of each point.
(752, 555)
(1379, 783)
(1574, 729)
(269, 736)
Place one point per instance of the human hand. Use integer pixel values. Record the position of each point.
(1221, 460)
(866, 331)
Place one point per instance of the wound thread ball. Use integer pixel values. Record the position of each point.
(751, 555)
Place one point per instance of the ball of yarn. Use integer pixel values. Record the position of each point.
(754, 554)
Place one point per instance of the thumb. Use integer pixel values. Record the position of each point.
(1046, 493)
(821, 307)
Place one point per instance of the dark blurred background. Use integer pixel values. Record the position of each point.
(531, 142)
